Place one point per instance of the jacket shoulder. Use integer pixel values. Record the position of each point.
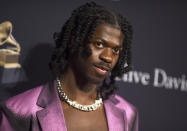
(24, 103)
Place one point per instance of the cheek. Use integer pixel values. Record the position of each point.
(94, 56)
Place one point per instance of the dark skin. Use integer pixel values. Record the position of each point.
(84, 74)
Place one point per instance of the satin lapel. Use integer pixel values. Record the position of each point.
(115, 116)
(51, 117)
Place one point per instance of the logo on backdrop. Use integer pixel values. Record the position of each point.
(9, 55)
(159, 79)
(10, 70)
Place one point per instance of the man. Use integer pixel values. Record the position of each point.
(91, 51)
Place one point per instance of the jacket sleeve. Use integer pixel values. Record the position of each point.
(10, 121)
(4, 121)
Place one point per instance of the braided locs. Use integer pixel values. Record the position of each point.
(76, 34)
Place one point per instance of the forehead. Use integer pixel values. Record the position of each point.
(109, 33)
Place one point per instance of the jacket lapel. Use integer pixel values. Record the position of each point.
(51, 117)
(115, 116)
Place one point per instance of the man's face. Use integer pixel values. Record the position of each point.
(105, 45)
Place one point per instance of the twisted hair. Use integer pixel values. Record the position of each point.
(81, 25)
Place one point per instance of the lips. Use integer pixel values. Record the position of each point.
(102, 70)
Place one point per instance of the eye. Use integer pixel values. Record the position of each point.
(116, 50)
(99, 44)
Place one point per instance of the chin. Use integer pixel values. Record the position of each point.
(96, 81)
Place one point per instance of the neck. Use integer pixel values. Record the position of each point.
(78, 89)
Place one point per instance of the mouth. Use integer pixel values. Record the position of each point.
(102, 70)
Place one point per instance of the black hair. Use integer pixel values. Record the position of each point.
(81, 25)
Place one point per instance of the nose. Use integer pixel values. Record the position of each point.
(106, 55)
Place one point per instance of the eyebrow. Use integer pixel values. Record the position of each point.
(105, 42)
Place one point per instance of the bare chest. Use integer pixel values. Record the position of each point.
(85, 121)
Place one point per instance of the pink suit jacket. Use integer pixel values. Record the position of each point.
(39, 109)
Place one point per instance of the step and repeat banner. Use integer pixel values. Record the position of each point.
(157, 85)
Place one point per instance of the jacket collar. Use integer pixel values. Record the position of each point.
(115, 116)
(51, 117)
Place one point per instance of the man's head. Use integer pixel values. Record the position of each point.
(89, 28)
(105, 47)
